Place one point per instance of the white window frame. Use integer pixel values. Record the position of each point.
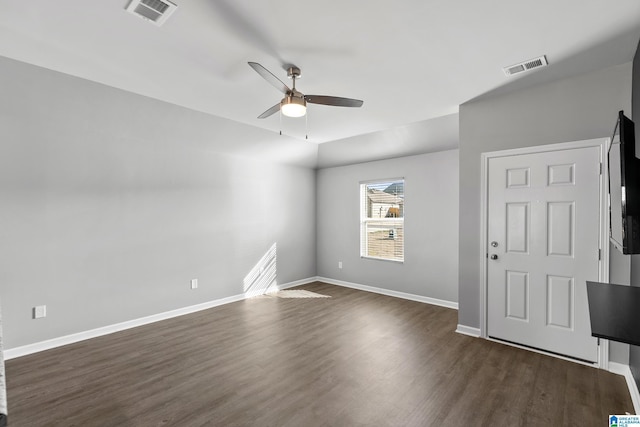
(364, 220)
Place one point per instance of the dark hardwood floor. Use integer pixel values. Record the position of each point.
(356, 359)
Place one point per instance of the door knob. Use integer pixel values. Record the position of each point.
(494, 256)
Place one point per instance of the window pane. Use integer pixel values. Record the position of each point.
(385, 239)
(384, 200)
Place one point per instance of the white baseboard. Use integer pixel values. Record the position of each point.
(396, 294)
(12, 353)
(625, 371)
(468, 330)
(297, 283)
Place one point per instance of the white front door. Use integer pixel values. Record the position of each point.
(542, 246)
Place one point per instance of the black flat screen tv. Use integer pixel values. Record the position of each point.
(624, 188)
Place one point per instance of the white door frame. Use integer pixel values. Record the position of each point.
(603, 145)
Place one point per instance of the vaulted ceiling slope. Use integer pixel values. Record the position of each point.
(409, 60)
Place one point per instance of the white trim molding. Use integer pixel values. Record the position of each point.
(390, 293)
(25, 350)
(625, 371)
(468, 330)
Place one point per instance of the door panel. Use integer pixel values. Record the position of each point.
(518, 227)
(560, 301)
(517, 178)
(544, 217)
(560, 222)
(517, 295)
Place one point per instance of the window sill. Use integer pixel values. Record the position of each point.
(395, 261)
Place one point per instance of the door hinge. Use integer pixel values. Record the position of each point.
(600, 168)
(599, 254)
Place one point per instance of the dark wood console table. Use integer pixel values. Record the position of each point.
(614, 312)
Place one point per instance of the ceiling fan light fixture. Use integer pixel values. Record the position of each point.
(293, 106)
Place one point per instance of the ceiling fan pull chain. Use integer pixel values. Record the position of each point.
(280, 122)
(306, 125)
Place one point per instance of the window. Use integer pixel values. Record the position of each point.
(382, 219)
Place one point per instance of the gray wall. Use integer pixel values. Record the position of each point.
(111, 202)
(634, 351)
(577, 108)
(428, 136)
(431, 225)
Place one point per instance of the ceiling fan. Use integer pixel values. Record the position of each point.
(294, 103)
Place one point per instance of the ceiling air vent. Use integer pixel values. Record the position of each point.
(156, 11)
(526, 65)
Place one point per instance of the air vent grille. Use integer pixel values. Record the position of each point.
(156, 11)
(156, 5)
(526, 65)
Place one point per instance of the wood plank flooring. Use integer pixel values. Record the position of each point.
(356, 359)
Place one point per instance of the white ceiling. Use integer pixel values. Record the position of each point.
(409, 60)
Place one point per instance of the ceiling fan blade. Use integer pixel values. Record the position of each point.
(270, 111)
(268, 76)
(238, 22)
(333, 100)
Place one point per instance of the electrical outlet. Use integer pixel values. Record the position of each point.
(194, 283)
(39, 311)
(339, 264)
